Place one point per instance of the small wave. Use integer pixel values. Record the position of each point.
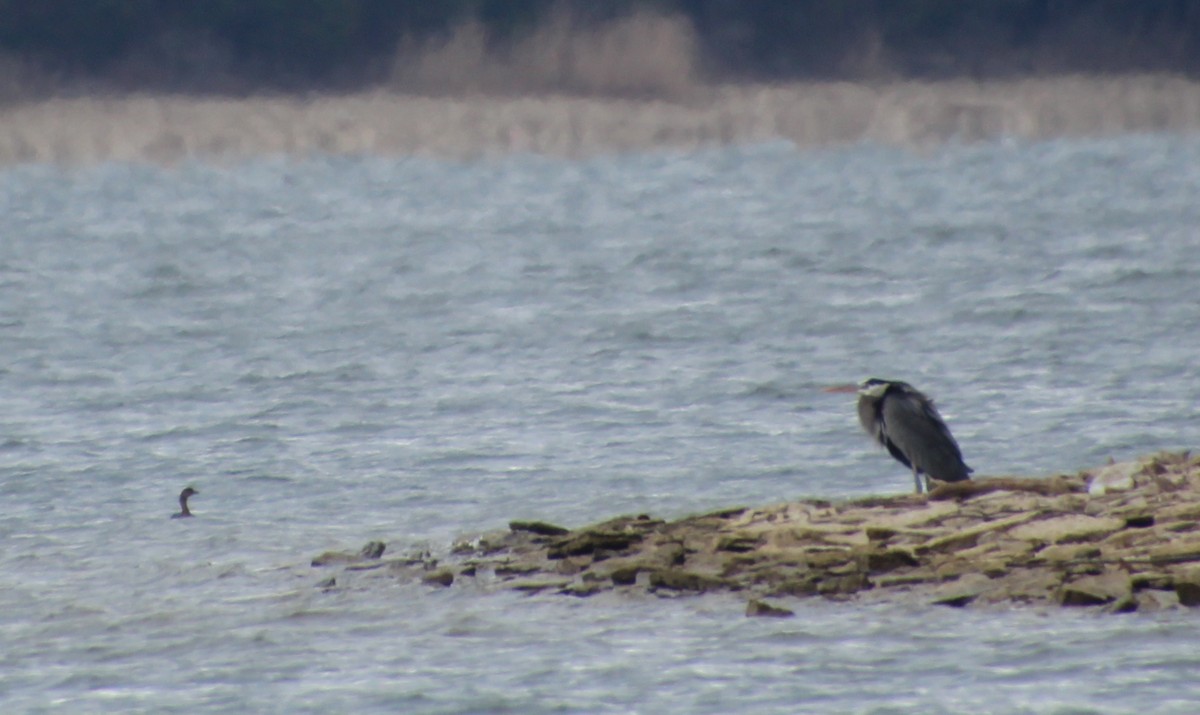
(269, 479)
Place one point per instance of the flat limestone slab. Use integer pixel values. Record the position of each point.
(1068, 529)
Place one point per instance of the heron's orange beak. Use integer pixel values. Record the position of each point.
(851, 387)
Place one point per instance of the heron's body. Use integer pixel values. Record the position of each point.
(183, 499)
(905, 422)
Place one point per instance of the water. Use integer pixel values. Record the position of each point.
(338, 350)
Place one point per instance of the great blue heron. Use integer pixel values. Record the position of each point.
(905, 421)
(183, 497)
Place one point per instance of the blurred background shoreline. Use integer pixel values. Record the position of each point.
(162, 82)
(170, 128)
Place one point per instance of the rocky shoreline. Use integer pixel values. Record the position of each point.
(1125, 537)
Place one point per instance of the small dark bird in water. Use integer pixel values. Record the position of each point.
(905, 421)
(183, 497)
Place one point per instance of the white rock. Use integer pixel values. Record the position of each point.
(1113, 478)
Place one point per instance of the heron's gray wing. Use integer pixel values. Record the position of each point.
(872, 422)
(868, 417)
(915, 427)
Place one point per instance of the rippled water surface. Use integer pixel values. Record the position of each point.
(339, 350)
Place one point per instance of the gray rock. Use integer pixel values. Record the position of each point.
(962, 591)
(441, 577)
(1187, 587)
(372, 550)
(761, 609)
(1111, 587)
(540, 528)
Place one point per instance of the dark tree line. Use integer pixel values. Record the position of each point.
(977, 38)
(289, 44)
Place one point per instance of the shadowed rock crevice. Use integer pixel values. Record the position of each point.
(996, 542)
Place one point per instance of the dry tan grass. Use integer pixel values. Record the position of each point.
(166, 128)
(639, 55)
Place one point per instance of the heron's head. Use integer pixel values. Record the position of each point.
(874, 387)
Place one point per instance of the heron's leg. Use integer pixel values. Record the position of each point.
(919, 481)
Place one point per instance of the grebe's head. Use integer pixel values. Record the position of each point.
(187, 492)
